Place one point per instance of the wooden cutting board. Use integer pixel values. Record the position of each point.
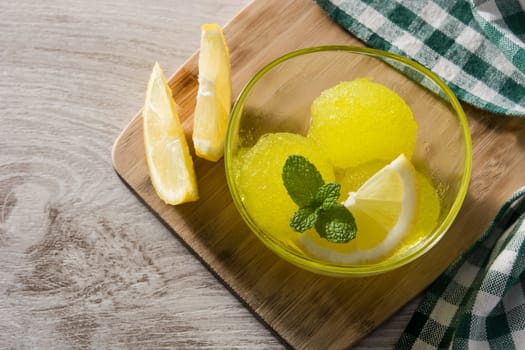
(305, 310)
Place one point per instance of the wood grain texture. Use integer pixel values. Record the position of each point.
(347, 309)
(84, 264)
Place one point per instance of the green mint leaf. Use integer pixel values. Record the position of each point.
(337, 224)
(317, 202)
(327, 195)
(304, 219)
(301, 179)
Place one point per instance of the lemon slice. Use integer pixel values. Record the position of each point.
(167, 155)
(384, 208)
(214, 94)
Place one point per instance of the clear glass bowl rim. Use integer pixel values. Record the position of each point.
(332, 268)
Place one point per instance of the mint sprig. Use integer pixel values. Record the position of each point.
(302, 180)
(317, 202)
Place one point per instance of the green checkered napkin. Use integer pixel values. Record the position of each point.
(477, 47)
(479, 302)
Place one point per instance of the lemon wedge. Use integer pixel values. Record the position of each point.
(167, 154)
(214, 95)
(384, 208)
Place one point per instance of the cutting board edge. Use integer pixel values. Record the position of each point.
(118, 147)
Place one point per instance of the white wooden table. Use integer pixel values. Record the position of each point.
(83, 263)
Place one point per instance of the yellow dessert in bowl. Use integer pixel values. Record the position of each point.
(379, 155)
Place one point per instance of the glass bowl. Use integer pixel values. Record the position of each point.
(278, 99)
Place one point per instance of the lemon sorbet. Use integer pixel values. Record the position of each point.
(355, 158)
(360, 121)
(260, 183)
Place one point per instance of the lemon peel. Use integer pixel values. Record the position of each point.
(168, 158)
(385, 202)
(214, 94)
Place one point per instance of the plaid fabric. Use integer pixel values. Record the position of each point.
(477, 47)
(504, 23)
(479, 302)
